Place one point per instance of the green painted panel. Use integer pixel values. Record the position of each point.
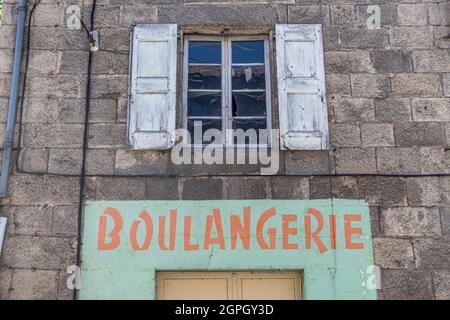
(124, 273)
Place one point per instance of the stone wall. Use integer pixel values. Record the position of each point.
(389, 109)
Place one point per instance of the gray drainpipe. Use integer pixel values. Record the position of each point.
(12, 108)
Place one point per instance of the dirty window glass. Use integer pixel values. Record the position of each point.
(226, 86)
(248, 51)
(204, 96)
(248, 83)
(205, 52)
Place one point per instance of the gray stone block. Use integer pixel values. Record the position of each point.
(446, 84)
(33, 160)
(162, 188)
(289, 187)
(412, 14)
(355, 61)
(107, 136)
(73, 62)
(370, 85)
(419, 37)
(49, 14)
(307, 162)
(445, 220)
(343, 15)
(383, 191)
(65, 219)
(116, 39)
(375, 223)
(393, 253)
(406, 285)
(120, 188)
(355, 160)
(309, 14)
(435, 160)
(39, 136)
(55, 86)
(109, 86)
(42, 190)
(202, 189)
(419, 134)
(344, 188)
(391, 61)
(135, 14)
(320, 188)
(432, 253)
(130, 162)
(377, 134)
(32, 220)
(246, 188)
(411, 222)
(5, 283)
(339, 85)
(441, 280)
(353, 109)
(43, 61)
(431, 61)
(34, 285)
(438, 13)
(363, 38)
(345, 135)
(38, 252)
(428, 191)
(431, 109)
(398, 160)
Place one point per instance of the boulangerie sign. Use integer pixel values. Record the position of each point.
(125, 242)
(264, 228)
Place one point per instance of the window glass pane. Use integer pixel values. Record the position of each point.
(248, 51)
(205, 52)
(205, 125)
(205, 77)
(248, 124)
(248, 77)
(204, 104)
(249, 104)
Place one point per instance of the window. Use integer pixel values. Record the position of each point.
(227, 87)
(228, 285)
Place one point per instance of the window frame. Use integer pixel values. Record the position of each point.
(227, 119)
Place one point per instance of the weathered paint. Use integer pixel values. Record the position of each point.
(153, 76)
(301, 87)
(121, 272)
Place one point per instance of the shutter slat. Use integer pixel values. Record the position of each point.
(152, 108)
(301, 88)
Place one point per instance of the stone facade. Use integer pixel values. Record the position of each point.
(389, 110)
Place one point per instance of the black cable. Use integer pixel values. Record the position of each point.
(219, 175)
(24, 83)
(85, 145)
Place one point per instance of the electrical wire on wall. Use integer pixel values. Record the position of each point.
(85, 145)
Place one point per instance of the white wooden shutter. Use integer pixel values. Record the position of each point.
(152, 112)
(301, 88)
